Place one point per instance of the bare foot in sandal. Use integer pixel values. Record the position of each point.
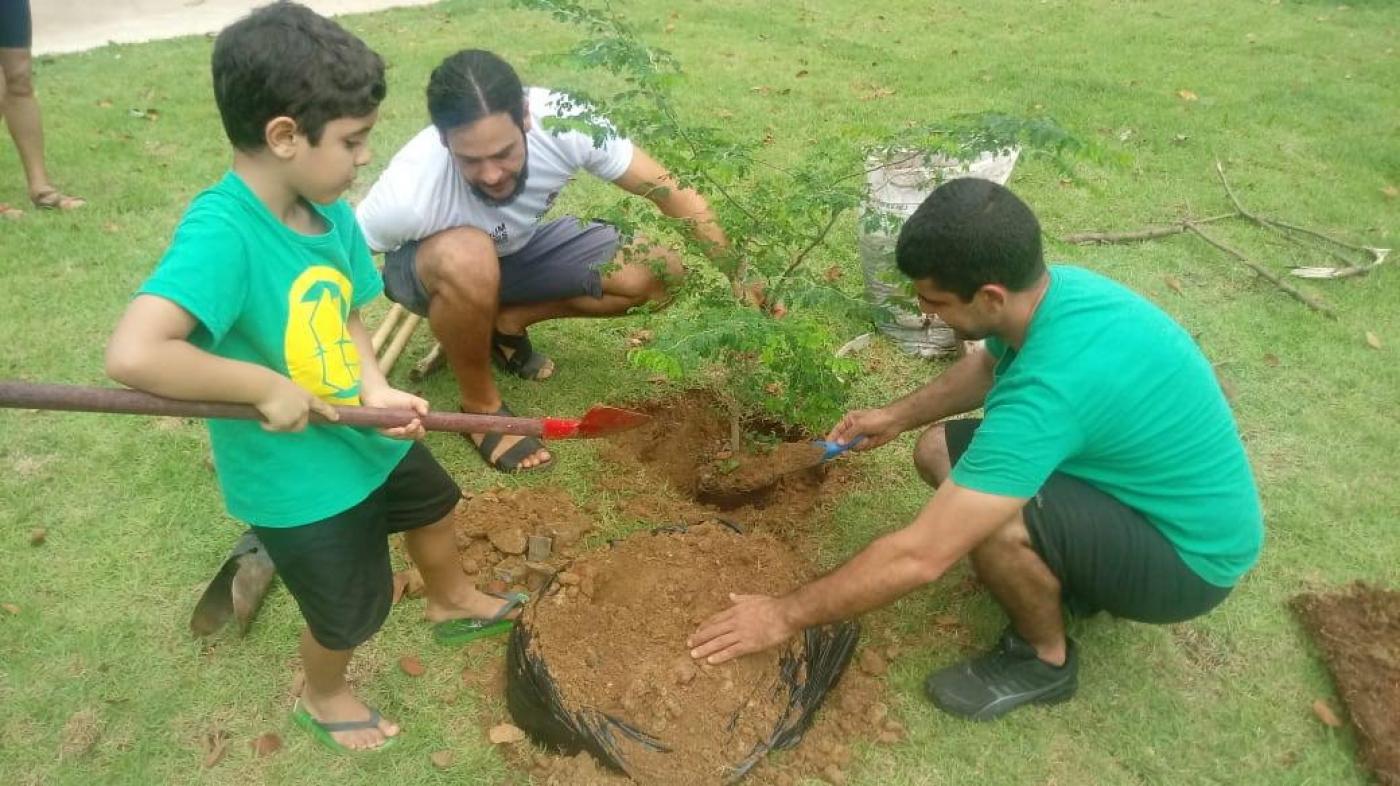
(348, 721)
(53, 199)
(509, 452)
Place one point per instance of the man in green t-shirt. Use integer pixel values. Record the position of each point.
(1106, 473)
(257, 301)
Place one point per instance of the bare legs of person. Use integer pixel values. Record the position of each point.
(22, 117)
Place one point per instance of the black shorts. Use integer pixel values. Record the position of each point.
(16, 28)
(1107, 556)
(338, 568)
(563, 259)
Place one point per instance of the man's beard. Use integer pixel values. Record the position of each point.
(520, 178)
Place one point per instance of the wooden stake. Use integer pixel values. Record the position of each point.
(405, 332)
(381, 334)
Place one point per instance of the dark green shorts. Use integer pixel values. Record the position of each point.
(1107, 556)
(338, 568)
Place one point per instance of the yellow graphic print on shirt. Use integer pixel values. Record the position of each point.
(320, 354)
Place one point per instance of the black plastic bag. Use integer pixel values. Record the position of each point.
(808, 674)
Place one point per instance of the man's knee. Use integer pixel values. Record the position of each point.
(460, 264)
(668, 273)
(1007, 543)
(649, 273)
(931, 455)
(18, 81)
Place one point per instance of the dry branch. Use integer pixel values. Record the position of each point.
(1291, 232)
(1147, 233)
(1302, 297)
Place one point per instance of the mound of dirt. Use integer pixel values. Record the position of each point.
(1358, 631)
(614, 642)
(513, 539)
(686, 448)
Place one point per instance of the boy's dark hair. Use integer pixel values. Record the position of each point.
(969, 233)
(286, 60)
(473, 84)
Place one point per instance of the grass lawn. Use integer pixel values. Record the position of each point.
(101, 683)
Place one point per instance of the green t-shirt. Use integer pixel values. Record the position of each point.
(1109, 389)
(266, 294)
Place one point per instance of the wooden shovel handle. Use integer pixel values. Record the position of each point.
(75, 398)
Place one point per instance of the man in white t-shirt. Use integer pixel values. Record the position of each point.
(458, 214)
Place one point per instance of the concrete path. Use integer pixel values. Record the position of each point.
(75, 25)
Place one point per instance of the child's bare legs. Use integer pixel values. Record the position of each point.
(450, 595)
(328, 698)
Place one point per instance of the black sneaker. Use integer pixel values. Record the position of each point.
(1003, 679)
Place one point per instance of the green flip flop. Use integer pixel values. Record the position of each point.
(453, 633)
(322, 732)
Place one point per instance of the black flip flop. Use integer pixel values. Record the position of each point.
(524, 361)
(510, 460)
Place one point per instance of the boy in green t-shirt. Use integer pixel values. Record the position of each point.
(257, 301)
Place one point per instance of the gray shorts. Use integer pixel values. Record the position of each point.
(562, 259)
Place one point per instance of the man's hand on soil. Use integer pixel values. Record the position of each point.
(393, 398)
(753, 624)
(878, 426)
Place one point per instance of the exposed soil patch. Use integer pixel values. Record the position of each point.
(686, 447)
(613, 636)
(1358, 632)
(511, 539)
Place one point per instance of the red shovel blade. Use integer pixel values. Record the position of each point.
(598, 421)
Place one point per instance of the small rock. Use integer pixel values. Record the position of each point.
(37, 536)
(10, 608)
(496, 586)
(410, 665)
(471, 567)
(505, 734)
(568, 579)
(894, 727)
(888, 738)
(571, 592)
(508, 541)
(684, 671)
(536, 574)
(872, 662)
(834, 775)
(585, 586)
(539, 548)
(442, 759)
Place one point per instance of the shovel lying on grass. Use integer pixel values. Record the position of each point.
(747, 481)
(598, 421)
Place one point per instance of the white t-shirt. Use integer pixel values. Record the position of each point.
(421, 192)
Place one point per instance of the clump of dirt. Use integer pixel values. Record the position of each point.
(513, 539)
(739, 480)
(1358, 631)
(686, 446)
(614, 639)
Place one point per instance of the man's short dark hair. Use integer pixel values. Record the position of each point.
(286, 60)
(473, 84)
(969, 233)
